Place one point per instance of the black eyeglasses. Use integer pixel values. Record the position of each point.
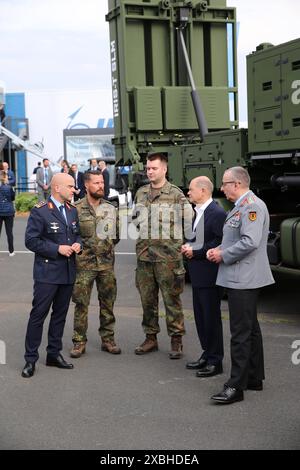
(228, 182)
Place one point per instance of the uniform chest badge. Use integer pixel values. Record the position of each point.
(252, 216)
(235, 220)
(54, 226)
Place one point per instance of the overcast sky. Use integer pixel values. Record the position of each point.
(64, 44)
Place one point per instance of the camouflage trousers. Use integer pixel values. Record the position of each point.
(107, 292)
(168, 277)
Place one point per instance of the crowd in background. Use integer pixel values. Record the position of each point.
(43, 174)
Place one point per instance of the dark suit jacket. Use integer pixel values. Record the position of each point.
(105, 175)
(79, 185)
(11, 177)
(203, 273)
(46, 230)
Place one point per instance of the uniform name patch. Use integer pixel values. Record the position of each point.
(252, 216)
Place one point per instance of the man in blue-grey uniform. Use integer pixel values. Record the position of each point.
(52, 233)
(243, 270)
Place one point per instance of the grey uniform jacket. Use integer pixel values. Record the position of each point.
(245, 262)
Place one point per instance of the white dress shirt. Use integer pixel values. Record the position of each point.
(199, 209)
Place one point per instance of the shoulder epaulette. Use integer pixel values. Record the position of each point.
(248, 200)
(40, 204)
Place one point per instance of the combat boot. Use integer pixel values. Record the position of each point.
(78, 349)
(150, 344)
(176, 347)
(110, 346)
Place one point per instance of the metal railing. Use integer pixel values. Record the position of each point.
(24, 185)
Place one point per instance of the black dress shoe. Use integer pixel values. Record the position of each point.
(210, 370)
(228, 395)
(258, 385)
(196, 364)
(28, 370)
(58, 362)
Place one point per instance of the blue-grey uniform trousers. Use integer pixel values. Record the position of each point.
(44, 295)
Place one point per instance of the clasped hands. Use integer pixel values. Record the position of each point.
(214, 255)
(187, 251)
(68, 250)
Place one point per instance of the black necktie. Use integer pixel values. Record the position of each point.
(61, 208)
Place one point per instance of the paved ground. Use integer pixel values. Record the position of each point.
(132, 402)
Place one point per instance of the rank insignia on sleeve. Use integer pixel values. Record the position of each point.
(252, 216)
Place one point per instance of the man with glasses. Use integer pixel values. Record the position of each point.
(243, 270)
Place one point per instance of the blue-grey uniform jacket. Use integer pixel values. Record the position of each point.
(244, 246)
(46, 230)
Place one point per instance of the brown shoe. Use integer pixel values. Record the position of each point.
(150, 344)
(78, 349)
(176, 347)
(110, 346)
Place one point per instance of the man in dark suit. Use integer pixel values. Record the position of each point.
(206, 233)
(93, 164)
(52, 233)
(105, 174)
(79, 192)
(10, 174)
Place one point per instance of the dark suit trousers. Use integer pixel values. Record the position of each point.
(207, 312)
(9, 223)
(247, 357)
(43, 296)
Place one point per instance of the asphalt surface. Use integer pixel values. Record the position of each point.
(141, 402)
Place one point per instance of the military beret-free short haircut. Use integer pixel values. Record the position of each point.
(88, 173)
(157, 156)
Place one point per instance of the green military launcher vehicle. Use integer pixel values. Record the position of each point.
(174, 82)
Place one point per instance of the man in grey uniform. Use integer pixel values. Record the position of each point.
(243, 270)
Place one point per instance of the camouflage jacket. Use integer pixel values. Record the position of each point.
(161, 223)
(99, 231)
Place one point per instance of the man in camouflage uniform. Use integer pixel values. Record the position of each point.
(99, 229)
(160, 208)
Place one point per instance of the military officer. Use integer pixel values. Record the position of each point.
(243, 270)
(52, 233)
(160, 210)
(99, 229)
